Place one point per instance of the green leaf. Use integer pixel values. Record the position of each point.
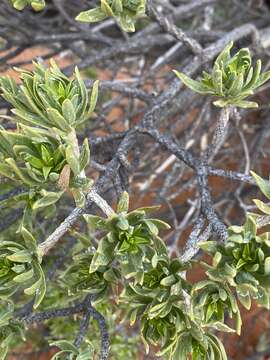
(250, 226)
(133, 316)
(263, 78)
(267, 266)
(91, 16)
(243, 296)
(95, 222)
(29, 239)
(65, 346)
(83, 93)
(117, 6)
(160, 224)
(219, 326)
(85, 155)
(106, 8)
(123, 204)
(131, 264)
(48, 198)
(263, 298)
(126, 23)
(264, 185)
(237, 85)
(246, 104)
(85, 354)
(22, 256)
(20, 4)
(217, 80)
(262, 206)
(24, 277)
(221, 103)
(94, 97)
(208, 246)
(168, 281)
(6, 314)
(225, 55)
(38, 5)
(152, 227)
(39, 287)
(214, 340)
(73, 160)
(255, 77)
(58, 120)
(103, 256)
(217, 258)
(21, 173)
(122, 223)
(190, 83)
(68, 111)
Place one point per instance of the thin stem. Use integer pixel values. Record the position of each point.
(92, 195)
(219, 134)
(100, 202)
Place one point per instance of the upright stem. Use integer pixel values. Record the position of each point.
(92, 195)
(219, 134)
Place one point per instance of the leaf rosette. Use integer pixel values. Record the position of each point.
(211, 301)
(49, 99)
(232, 79)
(129, 239)
(242, 262)
(44, 152)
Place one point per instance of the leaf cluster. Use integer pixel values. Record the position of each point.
(130, 265)
(49, 99)
(67, 348)
(239, 271)
(43, 154)
(126, 12)
(132, 255)
(232, 80)
(20, 268)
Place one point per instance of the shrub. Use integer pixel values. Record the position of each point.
(119, 263)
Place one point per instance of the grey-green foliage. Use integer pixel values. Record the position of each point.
(31, 156)
(78, 279)
(20, 268)
(49, 99)
(232, 80)
(126, 12)
(67, 348)
(130, 263)
(122, 345)
(155, 292)
(242, 263)
(154, 288)
(9, 328)
(43, 154)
